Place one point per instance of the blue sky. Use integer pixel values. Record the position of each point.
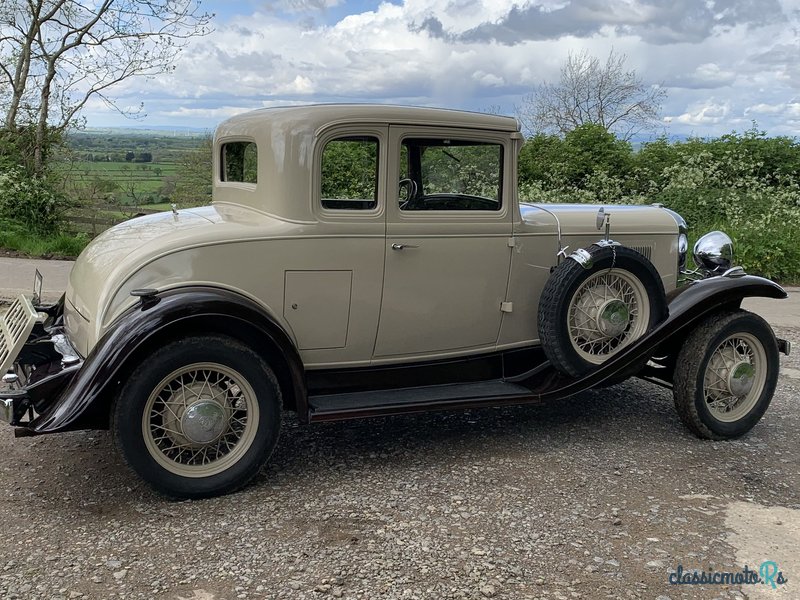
(724, 63)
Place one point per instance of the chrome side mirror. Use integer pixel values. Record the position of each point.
(713, 252)
(601, 218)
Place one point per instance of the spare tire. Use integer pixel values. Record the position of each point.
(587, 315)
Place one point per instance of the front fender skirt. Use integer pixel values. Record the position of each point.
(108, 363)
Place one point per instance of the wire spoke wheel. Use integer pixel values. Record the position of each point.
(200, 419)
(591, 310)
(725, 374)
(608, 311)
(735, 376)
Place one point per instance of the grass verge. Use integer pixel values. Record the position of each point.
(16, 239)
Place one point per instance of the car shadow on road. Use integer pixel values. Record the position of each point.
(614, 416)
(93, 474)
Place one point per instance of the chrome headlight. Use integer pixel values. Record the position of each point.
(683, 238)
(683, 249)
(713, 252)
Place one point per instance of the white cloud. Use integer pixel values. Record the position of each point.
(293, 6)
(708, 113)
(487, 79)
(218, 113)
(789, 110)
(705, 76)
(299, 85)
(430, 52)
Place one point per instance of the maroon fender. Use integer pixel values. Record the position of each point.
(84, 399)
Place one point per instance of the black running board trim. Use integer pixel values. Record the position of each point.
(335, 407)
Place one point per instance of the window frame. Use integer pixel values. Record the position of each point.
(462, 142)
(219, 170)
(398, 133)
(381, 134)
(378, 152)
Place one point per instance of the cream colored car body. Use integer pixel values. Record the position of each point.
(466, 282)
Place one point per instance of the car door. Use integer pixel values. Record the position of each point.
(334, 267)
(447, 242)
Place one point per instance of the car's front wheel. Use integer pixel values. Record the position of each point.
(725, 375)
(199, 417)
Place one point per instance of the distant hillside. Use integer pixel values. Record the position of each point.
(144, 131)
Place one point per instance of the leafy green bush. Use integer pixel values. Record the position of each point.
(31, 200)
(349, 169)
(746, 184)
(582, 155)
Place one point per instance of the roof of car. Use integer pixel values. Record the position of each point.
(315, 116)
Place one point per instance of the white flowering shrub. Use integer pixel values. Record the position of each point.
(730, 193)
(746, 185)
(31, 201)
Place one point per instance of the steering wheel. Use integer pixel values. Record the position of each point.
(411, 191)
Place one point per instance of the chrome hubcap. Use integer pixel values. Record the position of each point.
(613, 318)
(740, 381)
(203, 421)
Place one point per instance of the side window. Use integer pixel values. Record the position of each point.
(240, 162)
(444, 174)
(350, 173)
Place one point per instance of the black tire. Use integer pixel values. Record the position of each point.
(128, 425)
(564, 282)
(693, 362)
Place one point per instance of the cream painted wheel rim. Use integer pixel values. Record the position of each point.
(735, 377)
(200, 420)
(607, 312)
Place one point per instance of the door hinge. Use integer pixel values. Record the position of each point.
(506, 307)
(512, 242)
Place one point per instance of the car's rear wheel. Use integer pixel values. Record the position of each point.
(725, 375)
(587, 315)
(199, 417)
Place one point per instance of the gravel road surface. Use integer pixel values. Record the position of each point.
(599, 496)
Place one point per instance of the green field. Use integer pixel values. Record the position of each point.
(125, 183)
(114, 174)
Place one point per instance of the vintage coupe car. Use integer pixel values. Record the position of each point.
(370, 260)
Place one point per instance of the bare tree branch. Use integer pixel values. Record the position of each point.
(590, 91)
(57, 54)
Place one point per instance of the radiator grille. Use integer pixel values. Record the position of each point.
(646, 251)
(15, 327)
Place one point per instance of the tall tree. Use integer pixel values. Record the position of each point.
(57, 54)
(592, 91)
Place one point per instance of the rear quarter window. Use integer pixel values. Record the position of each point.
(239, 161)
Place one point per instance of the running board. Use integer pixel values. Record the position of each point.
(337, 407)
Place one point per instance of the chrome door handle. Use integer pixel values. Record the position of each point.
(402, 246)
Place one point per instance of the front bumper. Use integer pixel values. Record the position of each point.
(38, 361)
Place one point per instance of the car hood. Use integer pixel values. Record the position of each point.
(118, 253)
(580, 219)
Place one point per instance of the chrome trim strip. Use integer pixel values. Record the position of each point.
(734, 272)
(561, 249)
